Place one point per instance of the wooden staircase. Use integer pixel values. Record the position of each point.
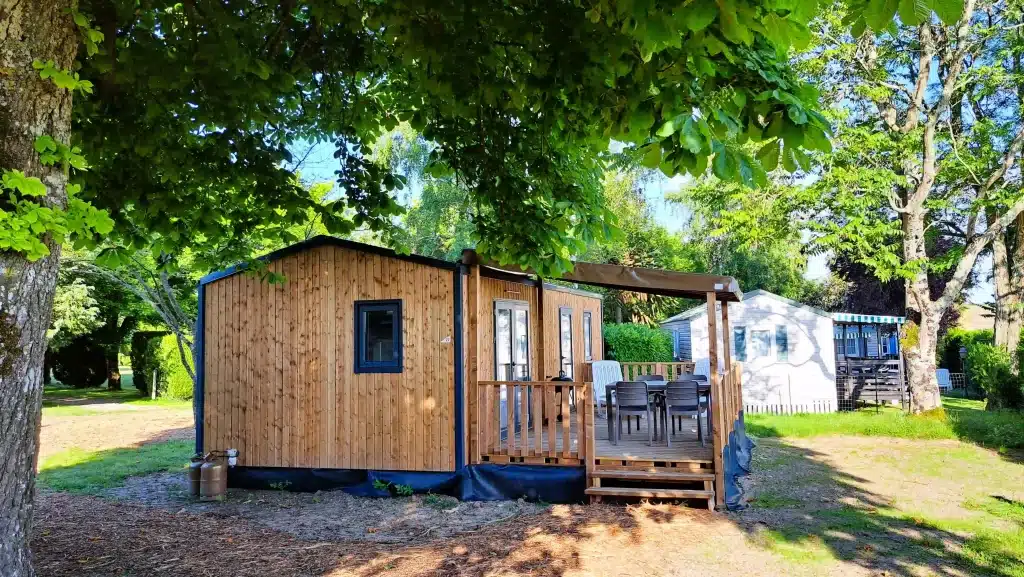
(652, 483)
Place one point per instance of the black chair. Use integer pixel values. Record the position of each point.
(682, 398)
(631, 399)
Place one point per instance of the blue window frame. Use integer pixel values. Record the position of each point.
(378, 336)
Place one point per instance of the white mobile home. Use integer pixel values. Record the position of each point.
(786, 348)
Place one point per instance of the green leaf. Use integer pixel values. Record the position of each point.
(668, 128)
(729, 23)
(949, 11)
(768, 155)
(698, 15)
(652, 158)
(43, 143)
(109, 257)
(816, 139)
(690, 136)
(914, 12)
(724, 165)
(858, 28)
(26, 185)
(879, 13)
(788, 162)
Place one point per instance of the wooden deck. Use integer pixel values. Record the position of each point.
(632, 449)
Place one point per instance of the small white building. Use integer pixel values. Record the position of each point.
(786, 347)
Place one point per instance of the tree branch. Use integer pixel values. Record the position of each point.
(970, 257)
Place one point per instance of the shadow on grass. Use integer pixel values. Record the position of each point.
(810, 512)
(1001, 430)
(62, 396)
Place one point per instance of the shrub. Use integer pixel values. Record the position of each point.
(949, 348)
(80, 363)
(143, 357)
(173, 379)
(631, 343)
(988, 367)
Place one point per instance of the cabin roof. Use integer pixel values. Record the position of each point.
(645, 280)
(699, 310)
(652, 281)
(325, 240)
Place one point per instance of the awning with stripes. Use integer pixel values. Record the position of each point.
(868, 319)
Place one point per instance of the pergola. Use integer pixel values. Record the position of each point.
(726, 393)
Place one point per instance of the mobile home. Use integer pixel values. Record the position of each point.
(460, 377)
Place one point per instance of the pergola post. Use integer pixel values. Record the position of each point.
(727, 360)
(717, 399)
(473, 370)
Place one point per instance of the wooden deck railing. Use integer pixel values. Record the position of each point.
(537, 422)
(631, 371)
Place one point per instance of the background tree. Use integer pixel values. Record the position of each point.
(641, 242)
(903, 98)
(750, 235)
(75, 313)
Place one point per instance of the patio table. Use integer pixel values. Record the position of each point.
(653, 388)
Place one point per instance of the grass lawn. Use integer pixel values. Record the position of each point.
(91, 472)
(59, 400)
(901, 507)
(962, 419)
(826, 492)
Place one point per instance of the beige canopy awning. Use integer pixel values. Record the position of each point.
(645, 280)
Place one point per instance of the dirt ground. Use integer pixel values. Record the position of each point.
(331, 515)
(119, 425)
(819, 507)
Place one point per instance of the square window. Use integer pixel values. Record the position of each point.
(378, 336)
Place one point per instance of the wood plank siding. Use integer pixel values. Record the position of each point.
(554, 300)
(493, 290)
(280, 384)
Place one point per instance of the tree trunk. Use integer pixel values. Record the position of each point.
(1015, 307)
(29, 107)
(919, 355)
(113, 372)
(1004, 296)
(921, 332)
(1008, 279)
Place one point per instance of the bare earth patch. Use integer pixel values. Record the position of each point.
(119, 426)
(331, 515)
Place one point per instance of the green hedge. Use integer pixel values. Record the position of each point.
(988, 367)
(949, 348)
(143, 357)
(631, 343)
(173, 380)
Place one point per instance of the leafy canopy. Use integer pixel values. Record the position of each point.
(189, 110)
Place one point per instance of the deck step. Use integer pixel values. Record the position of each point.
(650, 493)
(661, 475)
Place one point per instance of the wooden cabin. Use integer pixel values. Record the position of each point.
(365, 364)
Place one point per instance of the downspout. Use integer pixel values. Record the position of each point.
(198, 396)
(460, 409)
